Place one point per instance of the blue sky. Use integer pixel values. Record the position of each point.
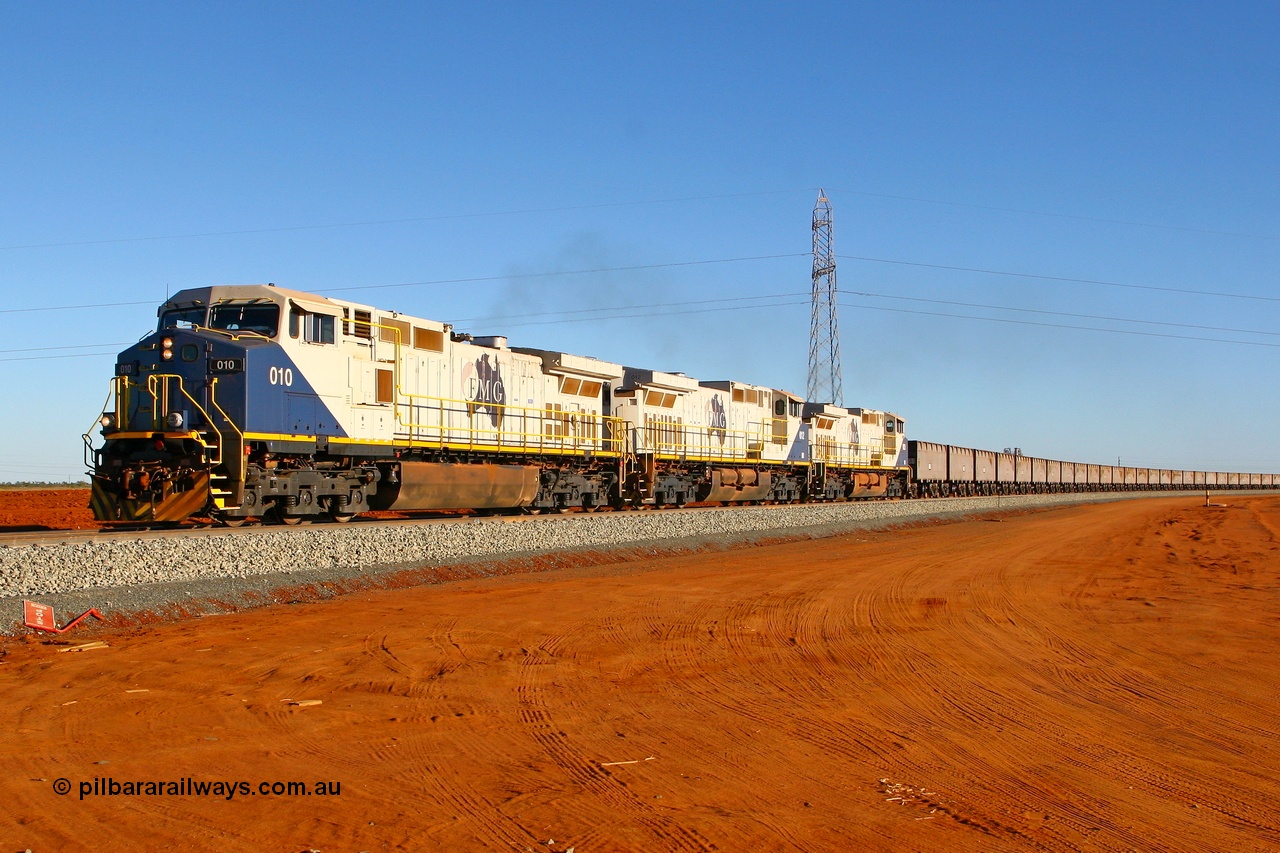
(149, 147)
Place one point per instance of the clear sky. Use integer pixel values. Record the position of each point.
(498, 165)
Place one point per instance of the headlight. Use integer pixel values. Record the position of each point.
(107, 420)
(167, 343)
(167, 355)
(174, 420)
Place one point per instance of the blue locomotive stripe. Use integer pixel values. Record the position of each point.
(281, 399)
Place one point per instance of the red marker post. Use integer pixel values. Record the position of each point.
(42, 618)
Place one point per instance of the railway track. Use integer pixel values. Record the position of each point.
(203, 528)
(209, 528)
(138, 570)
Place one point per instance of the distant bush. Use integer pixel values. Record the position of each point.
(66, 484)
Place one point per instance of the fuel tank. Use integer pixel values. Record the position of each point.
(447, 485)
(868, 485)
(738, 484)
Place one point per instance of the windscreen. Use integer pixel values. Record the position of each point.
(261, 318)
(181, 318)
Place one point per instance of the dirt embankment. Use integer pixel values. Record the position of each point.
(1090, 678)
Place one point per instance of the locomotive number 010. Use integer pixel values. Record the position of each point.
(280, 376)
(226, 365)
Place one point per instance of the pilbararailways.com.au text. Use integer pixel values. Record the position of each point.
(188, 787)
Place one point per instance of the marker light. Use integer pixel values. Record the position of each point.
(107, 420)
(174, 420)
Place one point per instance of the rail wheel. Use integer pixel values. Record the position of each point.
(278, 515)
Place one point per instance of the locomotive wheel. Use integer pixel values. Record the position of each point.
(278, 515)
(341, 517)
(232, 522)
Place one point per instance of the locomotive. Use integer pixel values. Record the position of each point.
(255, 401)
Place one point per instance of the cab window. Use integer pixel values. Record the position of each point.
(255, 318)
(181, 318)
(312, 328)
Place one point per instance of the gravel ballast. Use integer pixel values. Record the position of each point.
(114, 562)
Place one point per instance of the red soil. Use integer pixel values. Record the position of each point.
(1088, 678)
(45, 509)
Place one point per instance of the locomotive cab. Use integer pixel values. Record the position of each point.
(172, 447)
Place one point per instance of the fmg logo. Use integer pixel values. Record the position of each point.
(717, 419)
(485, 392)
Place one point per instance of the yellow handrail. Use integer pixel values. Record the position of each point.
(395, 364)
(602, 433)
(152, 382)
(213, 400)
(671, 440)
(87, 436)
(869, 453)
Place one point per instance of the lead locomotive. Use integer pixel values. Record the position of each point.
(253, 401)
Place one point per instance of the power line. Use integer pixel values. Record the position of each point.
(553, 273)
(31, 469)
(644, 313)
(1062, 313)
(1077, 217)
(51, 357)
(72, 307)
(408, 220)
(79, 346)
(674, 264)
(659, 313)
(505, 317)
(1067, 326)
(515, 320)
(631, 203)
(1063, 278)
(473, 280)
(644, 310)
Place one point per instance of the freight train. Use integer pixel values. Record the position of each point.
(259, 402)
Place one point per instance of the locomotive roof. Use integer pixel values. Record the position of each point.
(281, 296)
(224, 292)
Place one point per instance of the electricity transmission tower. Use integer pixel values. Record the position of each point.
(825, 382)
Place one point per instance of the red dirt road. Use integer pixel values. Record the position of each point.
(1089, 678)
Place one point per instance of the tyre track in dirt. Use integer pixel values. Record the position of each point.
(1127, 690)
(441, 654)
(606, 789)
(696, 648)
